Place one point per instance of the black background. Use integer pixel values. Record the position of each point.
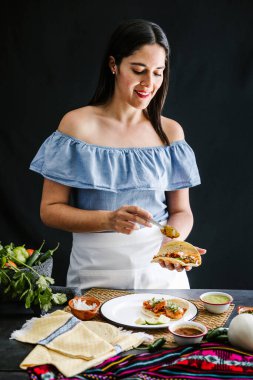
(51, 57)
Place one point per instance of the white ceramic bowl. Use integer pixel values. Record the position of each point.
(182, 339)
(215, 307)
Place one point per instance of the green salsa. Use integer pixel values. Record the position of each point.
(216, 298)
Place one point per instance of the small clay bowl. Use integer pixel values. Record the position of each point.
(85, 315)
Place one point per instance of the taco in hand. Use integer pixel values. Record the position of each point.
(178, 252)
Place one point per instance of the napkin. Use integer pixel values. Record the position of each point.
(71, 345)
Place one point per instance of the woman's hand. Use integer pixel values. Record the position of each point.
(126, 219)
(178, 267)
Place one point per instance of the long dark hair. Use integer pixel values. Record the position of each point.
(130, 36)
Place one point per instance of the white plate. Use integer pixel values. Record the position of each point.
(125, 310)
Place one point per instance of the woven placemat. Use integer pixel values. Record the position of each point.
(208, 319)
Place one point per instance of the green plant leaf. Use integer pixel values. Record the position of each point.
(23, 294)
(50, 280)
(45, 299)
(59, 298)
(29, 299)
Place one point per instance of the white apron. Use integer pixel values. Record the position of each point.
(119, 261)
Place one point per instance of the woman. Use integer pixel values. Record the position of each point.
(121, 163)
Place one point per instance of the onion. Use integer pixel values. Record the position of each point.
(240, 331)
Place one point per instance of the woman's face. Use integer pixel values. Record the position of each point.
(140, 75)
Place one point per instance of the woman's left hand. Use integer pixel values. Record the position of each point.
(178, 267)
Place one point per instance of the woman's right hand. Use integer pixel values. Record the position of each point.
(127, 218)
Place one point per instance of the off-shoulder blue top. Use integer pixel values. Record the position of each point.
(105, 178)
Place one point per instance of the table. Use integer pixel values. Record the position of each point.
(12, 318)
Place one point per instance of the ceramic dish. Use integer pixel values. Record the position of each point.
(180, 331)
(125, 310)
(216, 302)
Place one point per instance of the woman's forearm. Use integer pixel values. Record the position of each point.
(65, 217)
(71, 219)
(183, 222)
(56, 212)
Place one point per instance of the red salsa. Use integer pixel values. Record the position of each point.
(188, 331)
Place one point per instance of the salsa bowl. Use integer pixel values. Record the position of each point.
(188, 332)
(216, 302)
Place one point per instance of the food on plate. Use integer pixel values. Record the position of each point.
(178, 252)
(216, 298)
(245, 309)
(188, 331)
(161, 320)
(170, 232)
(171, 308)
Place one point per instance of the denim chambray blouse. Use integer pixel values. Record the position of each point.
(105, 178)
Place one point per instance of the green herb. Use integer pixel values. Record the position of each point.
(58, 298)
(29, 286)
(172, 306)
(153, 302)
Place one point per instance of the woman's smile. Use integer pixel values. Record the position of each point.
(142, 94)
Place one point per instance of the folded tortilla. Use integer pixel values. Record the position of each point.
(188, 255)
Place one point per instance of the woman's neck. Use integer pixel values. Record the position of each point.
(124, 113)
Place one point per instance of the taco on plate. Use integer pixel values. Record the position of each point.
(173, 308)
(178, 252)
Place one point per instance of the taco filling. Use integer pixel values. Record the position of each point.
(178, 252)
(181, 256)
(173, 308)
(170, 232)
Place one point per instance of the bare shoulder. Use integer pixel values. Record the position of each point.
(172, 129)
(76, 122)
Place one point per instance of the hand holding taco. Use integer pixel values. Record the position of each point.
(178, 253)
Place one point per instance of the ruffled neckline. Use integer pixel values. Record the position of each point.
(105, 147)
(73, 162)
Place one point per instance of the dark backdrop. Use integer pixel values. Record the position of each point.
(52, 52)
